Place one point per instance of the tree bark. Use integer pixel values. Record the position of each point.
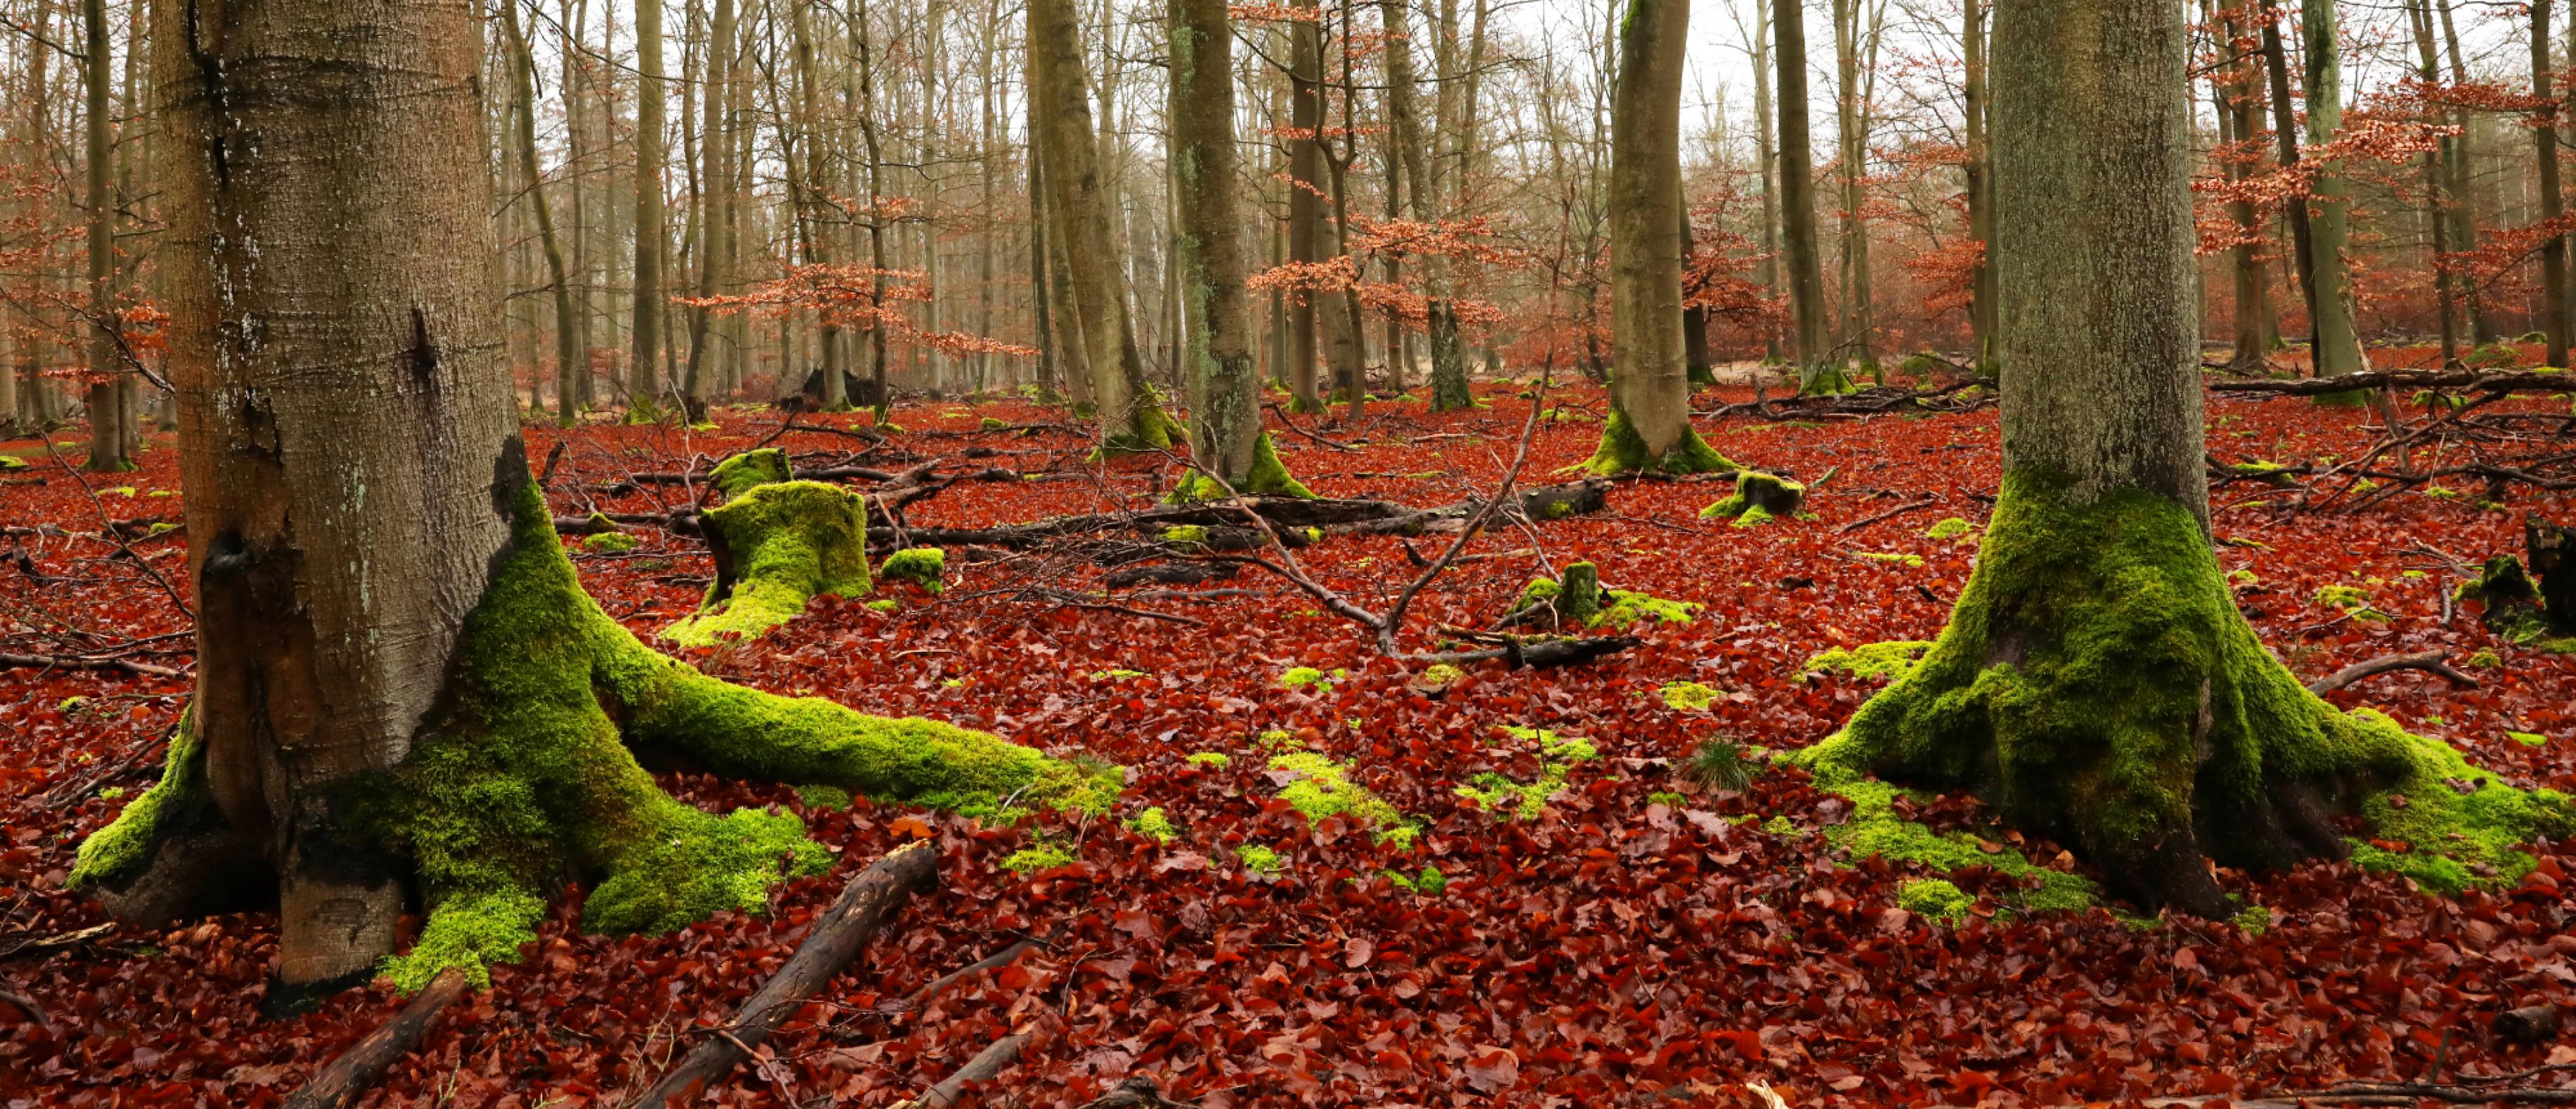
(107, 402)
(2553, 206)
(2464, 226)
(716, 189)
(2338, 345)
(1448, 364)
(2285, 132)
(524, 138)
(1981, 189)
(1814, 342)
(1060, 117)
(1305, 199)
(2419, 17)
(644, 370)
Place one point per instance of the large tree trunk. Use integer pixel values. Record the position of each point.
(1225, 429)
(1649, 424)
(2096, 680)
(400, 683)
(1820, 367)
(1305, 199)
(644, 370)
(2338, 345)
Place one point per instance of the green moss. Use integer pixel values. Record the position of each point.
(1911, 561)
(1441, 675)
(1952, 528)
(1753, 517)
(2486, 659)
(1429, 884)
(743, 472)
(1526, 800)
(1869, 660)
(1307, 677)
(1259, 859)
(885, 604)
(2513, 608)
(1042, 855)
(2348, 598)
(1667, 799)
(1212, 760)
(1627, 607)
(524, 774)
(1689, 696)
(790, 542)
(1935, 899)
(1874, 829)
(1758, 498)
(1116, 675)
(1322, 788)
(1188, 537)
(2253, 920)
(2450, 825)
(2098, 685)
(1267, 477)
(823, 797)
(991, 424)
(119, 851)
(922, 566)
(1153, 824)
(614, 542)
(2269, 473)
(1622, 451)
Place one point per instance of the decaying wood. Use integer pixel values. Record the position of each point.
(27, 1005)
(89, 662)
(1137, 1092)
(2421, 660)
(871, 899)
(2531, 1024)
(348, 1076)
(983, 1068)
(2523, 381)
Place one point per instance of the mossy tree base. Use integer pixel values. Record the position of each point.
(1268, 477)
(777, 545)
(526, 773)
(2097, 684)
(1623, 451)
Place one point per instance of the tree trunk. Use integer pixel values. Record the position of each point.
(2553, 250)
(644, 365)
(107, 415)
(2096, 680)
(2419, 18)
(1060, 118)
(524, 139)
(1305, 198)
(2464, 225)
(1981, 191)
(399, 678)
(1649, 424)
(2285, 131)
(1767, 153)
(1820, 367)
(2242, 93)
(1852, 132)
(1225, 431)
(1448, 363)
(716, 189)
(2338, 346)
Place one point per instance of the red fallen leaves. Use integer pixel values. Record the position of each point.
(1615, 948)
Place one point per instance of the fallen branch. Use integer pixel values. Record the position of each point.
(349, 1076)
(1002, 958)
(2430, 661)
(871, 898)
(2523, 381)
(983, 1068)
(1900, 510)
(87, 662)
(27, 1005)
(1537, 654)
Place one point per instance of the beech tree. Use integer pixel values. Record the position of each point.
(2096, 680)
(402, 692)
(1819, 369)
(1225, 403)
(1649, 425)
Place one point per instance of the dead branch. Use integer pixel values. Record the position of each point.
(27, 1005)
(2522, 381)
(1891, 514)
(983, 1068)
(871, 899)
(89, 662)
(347, 1077)
(1002, 958)
(2421, 660)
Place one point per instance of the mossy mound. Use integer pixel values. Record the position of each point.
(1935, 899)
(1756, 492)
(777, 546)
(610, 542)
(1689, 696)
(1623, 451)
(1869, 660)
(926, 567)
(2513, 609)
(1526, 800)
(1949, 529)
(1268, 477)
(1323, 788)
(2097, 684)
(525, 772)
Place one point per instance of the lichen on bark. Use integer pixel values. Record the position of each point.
(2097, 684)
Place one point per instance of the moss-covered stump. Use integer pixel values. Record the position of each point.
(741, 473)
(1825, 380)
(1149, 430)
(926, 567)
(1573, 602)
(1770, 495)
(777, 546)
(2097, 684)
(526, 773)
(2515, 607)
(1268, 477)
(1623, 451)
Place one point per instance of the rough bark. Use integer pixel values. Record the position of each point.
(1448, 365)
(2553, 205)
(2338, 344)
(1814, 342)
(2464, 222)
(2239, 89)
(2285, 132)
(2419, 18)
(716, 227)
(644, 367)
(106, 402)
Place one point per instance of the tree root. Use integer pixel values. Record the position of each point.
(2430, 661)
(871, 899)
(349, 1075)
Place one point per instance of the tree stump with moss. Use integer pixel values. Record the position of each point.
(1768, 495)
(777, 546)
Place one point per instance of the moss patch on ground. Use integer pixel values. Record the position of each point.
(1320, 788)
(926, 567)
(1268, 477)
(1688, 696)
(1526, 800)
(1869, 660)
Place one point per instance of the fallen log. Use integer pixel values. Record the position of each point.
(2421, 660)
(353, 1072)
(2521, 381)
(1331, 516)
(1537, 654)
(983, 1068)
(86, 662)
(871, 898)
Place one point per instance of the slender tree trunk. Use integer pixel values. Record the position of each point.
(2464, 226)
(805, 182)
(2338, 347)
(2553, 250)
(716, 187)
(1766, 152)
(2419, 18)
(2242, 93)
(2285, 131)
(1078, 196)
(643, 370)
(1305, 198)
(1448, 363)
(1981, 190)
(107, 438)
(523, 128)
(1821, 369)
(1851, 111)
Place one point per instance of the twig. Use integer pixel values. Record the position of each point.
(1891, 514)
(27, 1005)
(88, 662)
(981, 1069)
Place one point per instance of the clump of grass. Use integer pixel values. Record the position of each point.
(1722, 764)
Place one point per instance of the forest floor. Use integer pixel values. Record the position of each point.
(1638, 940)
